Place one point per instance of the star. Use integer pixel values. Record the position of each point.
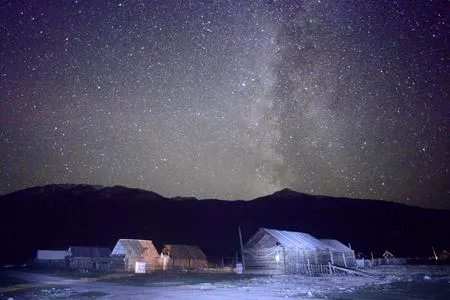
(228, 99)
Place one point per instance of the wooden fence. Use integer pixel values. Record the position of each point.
(321, 269)
(369, 263)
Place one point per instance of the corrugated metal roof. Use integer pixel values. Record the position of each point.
(89, 252)
(51, 254)
(336, 245)
(134, 248)
(184, 251)
(297, 239)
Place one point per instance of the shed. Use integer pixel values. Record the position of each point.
(89, 258)
(51, 258)
(271, 251)
(183, 257)
(128, 254)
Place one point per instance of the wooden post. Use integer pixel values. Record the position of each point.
(330, 268)
(371, 262)
(242, 250)
(434, 252)
(308, 267)
(345, 261)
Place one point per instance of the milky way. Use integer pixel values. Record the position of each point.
(228, 99)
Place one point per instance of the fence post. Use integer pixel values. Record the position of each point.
(330, 268)
(345, 261)
(242, 249)
(371, 254)
(309, 268)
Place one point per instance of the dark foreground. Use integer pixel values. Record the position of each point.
(387, 282)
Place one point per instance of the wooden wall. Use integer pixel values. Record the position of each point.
(263, 260)
(52, 263)
(344, 259)
(89, 263)
(121, 263)
(285, 260)
(182, 264)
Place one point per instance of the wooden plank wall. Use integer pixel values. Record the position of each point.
(294, 260)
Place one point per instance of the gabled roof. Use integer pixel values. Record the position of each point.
(51, 254)
(184, 252)
(89, 252)
(299, 240)
(134, 248)
(336, 245)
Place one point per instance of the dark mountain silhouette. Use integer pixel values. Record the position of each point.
(59, 216)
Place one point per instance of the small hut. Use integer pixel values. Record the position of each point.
(51, 258)
(132, 255)
(272, 251)
(89, 258)
(183, 257)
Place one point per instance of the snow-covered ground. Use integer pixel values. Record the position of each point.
(388, 282)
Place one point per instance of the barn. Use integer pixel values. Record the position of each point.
(51, 258)
(131, 255)
(89, 258)
(183, 257)
(271, 251)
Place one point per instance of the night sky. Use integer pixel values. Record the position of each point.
(228, 99)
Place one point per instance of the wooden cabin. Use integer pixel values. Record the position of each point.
(271, 251)
(183, 257)
(131, 255)
(89, 258)
(51, 259)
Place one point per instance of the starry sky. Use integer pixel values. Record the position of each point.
(228, 99)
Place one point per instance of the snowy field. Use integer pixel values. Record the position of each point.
(387, 282)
